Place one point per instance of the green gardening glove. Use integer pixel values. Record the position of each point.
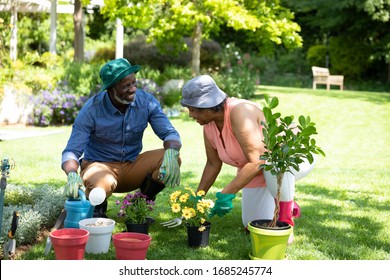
(223, 204)
(170, 169)
(74, 183)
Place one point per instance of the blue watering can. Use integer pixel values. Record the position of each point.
(76, 210)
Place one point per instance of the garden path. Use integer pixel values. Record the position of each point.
(6, 134)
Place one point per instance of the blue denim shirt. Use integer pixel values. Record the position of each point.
(102, 133)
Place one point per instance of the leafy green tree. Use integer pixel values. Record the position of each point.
(355, 32)
(167, 22)
(78, 26)
(278, 27)
(32, 32)
(5, 30)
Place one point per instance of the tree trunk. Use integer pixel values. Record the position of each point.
(78, 32)
(279, 180)
(388, 72)
(196, 43)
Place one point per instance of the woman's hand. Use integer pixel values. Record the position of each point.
(223, 204)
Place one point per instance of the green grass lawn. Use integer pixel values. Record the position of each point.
(345, 200)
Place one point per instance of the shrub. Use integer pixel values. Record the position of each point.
(152, 81)
(82, 79)
(348, 58)
(46, 60)
(171, 98)
(138, 51)
(150, 86)
(38, 207)
(56, 107)
(174, 72)
(103, 54)
(35, 77)
(237, 76)
(316, 55)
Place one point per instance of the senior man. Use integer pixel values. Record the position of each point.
(106, 140)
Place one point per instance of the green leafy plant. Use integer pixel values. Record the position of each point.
(287, 145)
(38, 207)
(237, 74)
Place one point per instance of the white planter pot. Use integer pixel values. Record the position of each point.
(100, 231)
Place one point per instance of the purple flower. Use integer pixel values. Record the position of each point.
(134, 207)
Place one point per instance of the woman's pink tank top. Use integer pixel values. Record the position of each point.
(231, 153)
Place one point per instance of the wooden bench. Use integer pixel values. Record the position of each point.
(321, 76)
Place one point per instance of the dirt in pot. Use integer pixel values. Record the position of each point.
(265, 224)
(99, 224)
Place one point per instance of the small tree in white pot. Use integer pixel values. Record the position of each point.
(287, 146)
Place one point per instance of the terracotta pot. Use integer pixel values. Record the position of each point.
(198, 238)
(69, 243)
(131, 245)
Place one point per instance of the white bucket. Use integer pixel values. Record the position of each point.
(100, 231)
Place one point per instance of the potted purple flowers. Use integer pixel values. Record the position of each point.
(134, 210)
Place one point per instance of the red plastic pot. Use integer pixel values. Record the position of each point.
(69, 243)
(131, 245)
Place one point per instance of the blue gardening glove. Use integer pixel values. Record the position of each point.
(223, 204)
(170, 169)
(74, 183)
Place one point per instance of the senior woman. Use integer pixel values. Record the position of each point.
(232, 134)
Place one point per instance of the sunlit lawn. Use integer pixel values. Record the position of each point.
(345, 201)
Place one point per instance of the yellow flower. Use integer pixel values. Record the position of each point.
(186, 213)
(202, 228)
(200, 208)
(173, 197)
(208, 203)
(183, 198)
(193, 212)
(200, 193)
(192, 207)
(175, 207)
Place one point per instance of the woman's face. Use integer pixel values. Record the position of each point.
(124, 91)
(202, 116)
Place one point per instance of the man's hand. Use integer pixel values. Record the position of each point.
(170, 169)
(74, 183)
(223, 204)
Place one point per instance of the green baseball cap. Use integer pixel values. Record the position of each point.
(115, 70)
